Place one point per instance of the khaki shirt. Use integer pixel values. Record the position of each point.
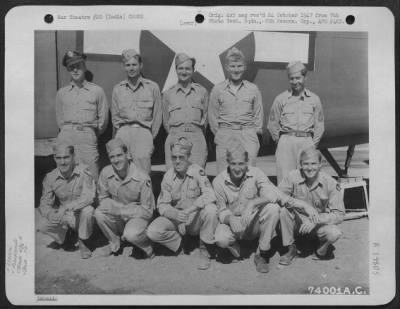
(195, 188)
(296, 113)
(181, 108)
(74, 193)
(324, 195)
(243, 108)
(86, 106)
(140, 105)
(232, 200)
(134, 192)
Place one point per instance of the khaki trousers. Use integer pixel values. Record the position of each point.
(288, 153)
(264, 229)
(81, 221)
(85, 144)
(199, 149)
(223, 139)
(116, 228)
(139, 141)
(291, 221)
(203, 222)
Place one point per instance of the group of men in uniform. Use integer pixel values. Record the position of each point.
(240, 204)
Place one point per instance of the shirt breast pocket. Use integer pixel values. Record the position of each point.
(197, 109)
(250, 193)
(90, 104)
(307, 113)
(289, 114)
(249, 102)
(133, 194)
(322, 202)
(145, 109)
(193, 191)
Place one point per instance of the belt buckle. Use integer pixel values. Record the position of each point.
(79, 127)
(187, 129)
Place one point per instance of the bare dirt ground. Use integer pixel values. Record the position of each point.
(63, 272)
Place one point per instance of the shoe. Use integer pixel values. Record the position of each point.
(204, 262)
(181, 249)
(328, 256)
(55, 245)
(85, 251)
(234, 249)
(150, 255)
(261, 262)
(105, 251)
(287, 258)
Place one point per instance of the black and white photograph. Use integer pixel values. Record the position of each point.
(225, 160)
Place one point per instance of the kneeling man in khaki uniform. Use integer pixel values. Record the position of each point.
(66, 202)
(248, 205)
(186, 205)
(126, 201)
(325, 209)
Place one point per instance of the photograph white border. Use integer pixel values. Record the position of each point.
(20, 24)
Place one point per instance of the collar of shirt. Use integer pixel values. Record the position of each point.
(228, 181)
(140, 82)
(185, 90)
(302, 180)
(76, 172)
(306, 93)
(189, 172)
(85, 85)
(226, 84)
(132, 174)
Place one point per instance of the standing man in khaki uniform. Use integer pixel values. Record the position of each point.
(322, 193)
(186, 205)
(235, 109)
(136, 111)
(66, 202)
(296, 120)
(185, 112)
(126, 201)
(82, 112)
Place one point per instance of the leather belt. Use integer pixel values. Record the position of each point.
(78, 126)
(297, 133)
(186, 128)
(234, 126)
(134, 125)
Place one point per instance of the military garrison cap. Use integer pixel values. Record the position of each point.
(128, 54)
(183, 143)
(72, 57)
(296, 66)
(182, 57)
(114, 144)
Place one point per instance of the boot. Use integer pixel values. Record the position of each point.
(287, 258)
(85, 251)
(204, 262)
(261, 260)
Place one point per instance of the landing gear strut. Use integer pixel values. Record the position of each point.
(341, 172)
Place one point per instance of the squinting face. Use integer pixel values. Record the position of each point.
(235, 70)
(65, 160)
(77, 71)
(180, 160)
(119, 160)
(296, 81)
(185, 71)
(310, 166)
(133, 68)
(237, 166)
